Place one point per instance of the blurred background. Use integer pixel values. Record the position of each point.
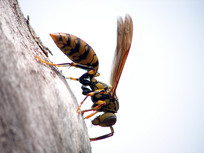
(161, 88)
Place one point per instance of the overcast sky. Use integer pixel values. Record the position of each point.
(161, 88)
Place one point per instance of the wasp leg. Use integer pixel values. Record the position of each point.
(90, 115)
(85, 78)
(58, 65)
(83, 81)
(99, 103)
(89, 94)
(103, 136)
(79, 108)
(85, 90)
(84, 67)
(71, 78)
(48, 63)
(96, 92)
(90, 69)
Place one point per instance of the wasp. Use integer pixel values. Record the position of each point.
(83, 56)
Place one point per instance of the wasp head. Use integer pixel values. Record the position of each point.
(105, 120)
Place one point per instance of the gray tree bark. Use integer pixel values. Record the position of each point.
(38, 112)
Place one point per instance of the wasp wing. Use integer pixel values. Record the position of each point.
(124, 40)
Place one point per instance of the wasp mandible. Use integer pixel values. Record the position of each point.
(83, 56)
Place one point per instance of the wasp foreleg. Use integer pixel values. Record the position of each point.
(104, 136)
(90, 115)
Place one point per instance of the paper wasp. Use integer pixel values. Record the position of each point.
(83, 56)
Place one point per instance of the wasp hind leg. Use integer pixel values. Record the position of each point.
(90, 69)
(58, 65)
(86, 77)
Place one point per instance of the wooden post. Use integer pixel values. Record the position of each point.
(38, 111)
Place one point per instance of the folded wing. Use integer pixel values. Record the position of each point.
(124, 40)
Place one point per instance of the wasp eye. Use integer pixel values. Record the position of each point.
(105, 120)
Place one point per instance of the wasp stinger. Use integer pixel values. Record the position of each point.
(83, 56)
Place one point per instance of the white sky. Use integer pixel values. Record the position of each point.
(161, 88)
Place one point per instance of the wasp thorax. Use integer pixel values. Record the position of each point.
(105, 120)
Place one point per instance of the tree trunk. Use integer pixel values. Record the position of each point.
(38, 112)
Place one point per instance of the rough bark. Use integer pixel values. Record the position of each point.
(38, 112)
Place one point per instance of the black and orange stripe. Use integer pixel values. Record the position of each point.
(76, 49)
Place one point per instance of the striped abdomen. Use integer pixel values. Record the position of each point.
(76, 49)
